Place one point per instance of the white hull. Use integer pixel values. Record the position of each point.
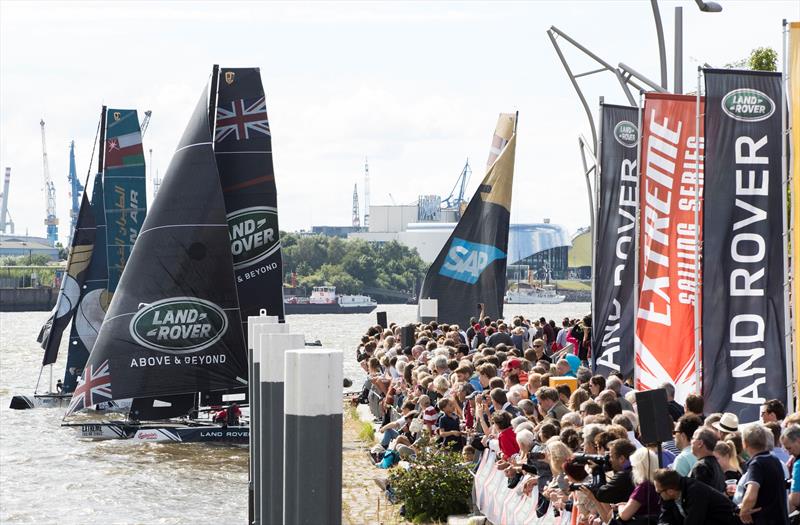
(524, 298)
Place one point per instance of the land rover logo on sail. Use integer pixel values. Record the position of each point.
(748, 105)
(626, 133)
(253, 233)
(179, 325)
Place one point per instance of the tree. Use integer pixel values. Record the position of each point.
(760, 59)
(763, 59)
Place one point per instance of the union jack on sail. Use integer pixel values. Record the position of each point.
(94, 388)
(243, 118)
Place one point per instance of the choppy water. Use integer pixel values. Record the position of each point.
(47, 476)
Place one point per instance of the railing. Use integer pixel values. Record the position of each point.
(13, 277)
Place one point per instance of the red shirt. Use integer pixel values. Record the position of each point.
(508, 442)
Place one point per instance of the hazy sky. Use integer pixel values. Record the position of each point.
(414, 86)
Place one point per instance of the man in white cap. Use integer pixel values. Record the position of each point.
(727, 424)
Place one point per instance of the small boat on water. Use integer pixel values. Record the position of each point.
(323, 300)
(545, 294)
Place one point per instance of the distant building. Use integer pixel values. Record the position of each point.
(16, 245)
(580, 256)
(540, 247)
(335, 231)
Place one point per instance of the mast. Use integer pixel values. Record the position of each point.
(366, 193)
(4, 202)
(102, 141)
(212, 100)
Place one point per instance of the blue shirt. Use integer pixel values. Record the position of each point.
(684, 462)
(796, 476)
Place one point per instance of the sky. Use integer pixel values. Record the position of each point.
(415, 87)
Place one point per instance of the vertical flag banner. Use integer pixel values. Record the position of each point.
(612, 337)
(794, 123)
(744, 359)
(471, 268)
(664, 341)
(243, 150)
(124, 186)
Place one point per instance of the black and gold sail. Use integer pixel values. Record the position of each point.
(471, 268)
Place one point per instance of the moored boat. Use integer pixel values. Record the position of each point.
(545, 294)
(323, 300)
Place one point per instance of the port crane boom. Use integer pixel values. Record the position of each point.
(51, 220)
(75, 189)
(5, 215)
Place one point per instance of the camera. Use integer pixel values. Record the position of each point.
(536, 456)
(600, 465)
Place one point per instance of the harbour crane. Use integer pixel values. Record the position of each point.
(5, 215)
(145, 121)
(356, 214)
(75, 189)
(51, 219)
(457, 201)
(366, 193)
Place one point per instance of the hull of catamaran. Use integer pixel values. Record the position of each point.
(26, 402)
(163, 433)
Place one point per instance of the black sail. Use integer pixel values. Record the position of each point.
(80, 255)
(471, 268)
(94, 299)
(173, 326)
(243, 148)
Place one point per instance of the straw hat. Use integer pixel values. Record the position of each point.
(727, 423)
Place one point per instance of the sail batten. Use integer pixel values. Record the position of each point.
(471, 267)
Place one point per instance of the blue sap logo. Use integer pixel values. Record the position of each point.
(466, 260)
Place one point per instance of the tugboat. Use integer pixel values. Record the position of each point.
(324, 300)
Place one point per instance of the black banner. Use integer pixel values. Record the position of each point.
(744, 354)
(243, 148)
(612, 337)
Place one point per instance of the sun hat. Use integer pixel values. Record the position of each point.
(727, 423)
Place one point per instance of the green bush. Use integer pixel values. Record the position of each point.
(437, 485)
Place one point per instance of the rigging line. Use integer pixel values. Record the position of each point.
(94, 145)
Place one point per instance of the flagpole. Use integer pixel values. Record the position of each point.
(636, 229)
(697, 250)
(595, 233)
(787, 297)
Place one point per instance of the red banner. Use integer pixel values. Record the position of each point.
(664, 342)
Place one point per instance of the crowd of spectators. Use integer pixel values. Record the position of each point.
(524, 389)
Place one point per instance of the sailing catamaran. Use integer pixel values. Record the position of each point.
(207, 257)
(118, 199)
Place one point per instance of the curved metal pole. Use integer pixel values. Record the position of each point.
(575, 85)
(662, 52)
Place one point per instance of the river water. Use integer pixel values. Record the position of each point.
(48, 476)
